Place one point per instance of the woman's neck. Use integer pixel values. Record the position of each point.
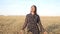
(32, 13)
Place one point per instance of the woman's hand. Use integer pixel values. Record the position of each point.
(22, 31)
(45, 32)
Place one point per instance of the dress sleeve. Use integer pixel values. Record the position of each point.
(25, 23)
(40, 25)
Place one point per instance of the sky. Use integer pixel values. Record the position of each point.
(22, 7)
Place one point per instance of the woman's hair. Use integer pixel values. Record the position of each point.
(35, 9)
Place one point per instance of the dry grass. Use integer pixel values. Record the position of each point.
(13, 24)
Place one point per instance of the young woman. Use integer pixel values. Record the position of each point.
(32, 21)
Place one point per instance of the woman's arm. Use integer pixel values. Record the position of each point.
(40, 25)
(25, 23)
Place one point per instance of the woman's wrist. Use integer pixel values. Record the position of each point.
(45, 32)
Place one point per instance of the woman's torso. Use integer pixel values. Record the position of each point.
(32, 22)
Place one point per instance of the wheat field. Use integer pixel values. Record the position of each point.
(13, 24)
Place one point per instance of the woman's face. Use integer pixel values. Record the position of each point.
(33, 9)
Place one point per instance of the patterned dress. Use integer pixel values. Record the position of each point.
(32, 22)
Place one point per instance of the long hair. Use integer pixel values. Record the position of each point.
(35, 12)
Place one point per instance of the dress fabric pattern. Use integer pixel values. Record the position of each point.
(31, 22)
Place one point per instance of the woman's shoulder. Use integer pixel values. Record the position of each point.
(28, 15)
(37, 15)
